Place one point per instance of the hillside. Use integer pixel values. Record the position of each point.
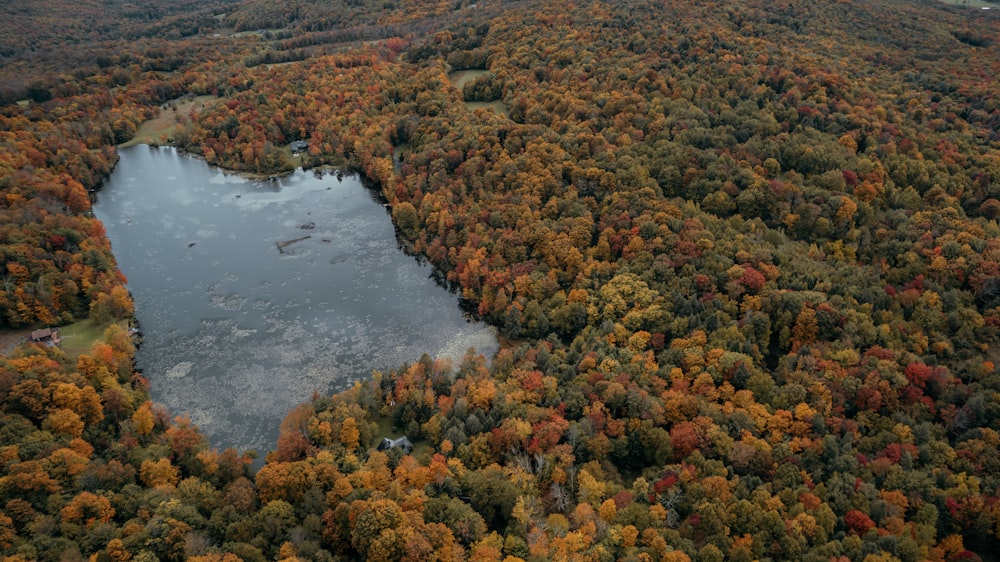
(744, 257)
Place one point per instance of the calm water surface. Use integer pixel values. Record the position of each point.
(253, 294)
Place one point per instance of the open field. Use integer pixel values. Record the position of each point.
(387, 429)
(75, 339)
(160, 129)
(498, 105)
(10, 339)
(78, 338)
(972, 3)
(459, 78)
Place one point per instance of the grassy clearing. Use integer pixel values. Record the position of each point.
(10, 339)
(497, 106)
(387, 429)
(420, 448)
(160, 129)
(971, 3)
(459, 78)
(78, 338)
(75, 339)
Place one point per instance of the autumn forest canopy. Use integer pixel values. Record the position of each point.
(744, 257)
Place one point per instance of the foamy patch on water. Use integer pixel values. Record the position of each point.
(222, 178)
(180, 370)
(482, 339)
(239, 333)
(228, 302)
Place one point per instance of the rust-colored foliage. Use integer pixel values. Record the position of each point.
(743, 257)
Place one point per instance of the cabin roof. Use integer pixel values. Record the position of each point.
(402, 442)
(41, 334)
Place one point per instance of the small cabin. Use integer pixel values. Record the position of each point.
(46, 336)
(299, 146)
(403, 443)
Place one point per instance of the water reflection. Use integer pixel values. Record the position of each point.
(253, 294)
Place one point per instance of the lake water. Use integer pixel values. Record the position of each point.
(251, 295)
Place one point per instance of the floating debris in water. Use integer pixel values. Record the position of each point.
(180, 370)
(282, 245)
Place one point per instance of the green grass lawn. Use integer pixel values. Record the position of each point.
(972, 3)
(78, 338)
(386, 429)
(158, 129)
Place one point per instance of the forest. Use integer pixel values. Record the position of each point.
(744, 257)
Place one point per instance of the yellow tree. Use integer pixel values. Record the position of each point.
(349, 434)
(65, 422)
(806, 327)
(142, 419)
(159, 473)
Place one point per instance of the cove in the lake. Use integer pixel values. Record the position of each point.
(251, 295)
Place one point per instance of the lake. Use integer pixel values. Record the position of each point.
(251, 295)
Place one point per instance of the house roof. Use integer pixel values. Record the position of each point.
(41, 334)
(403, 443)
